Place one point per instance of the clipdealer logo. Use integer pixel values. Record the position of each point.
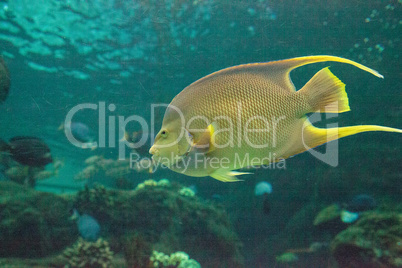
(330, 156)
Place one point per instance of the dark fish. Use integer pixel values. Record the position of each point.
(4, 80)
(360, 203)
(30, 151)
(266, 207)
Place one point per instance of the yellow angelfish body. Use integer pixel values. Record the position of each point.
(222, 121)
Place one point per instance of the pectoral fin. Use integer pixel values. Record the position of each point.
(206, 143)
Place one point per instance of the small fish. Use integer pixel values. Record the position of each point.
(349, 217)
(5, 80)
(359, 203)
(204, 128)
(29, 151)
(262, 188)
(88, 226)
(81, 133)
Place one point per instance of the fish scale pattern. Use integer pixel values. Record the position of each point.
(244, 99)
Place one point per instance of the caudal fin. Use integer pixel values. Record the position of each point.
(326, 93)
(313, 137)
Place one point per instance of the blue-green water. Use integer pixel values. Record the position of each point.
(133, 54)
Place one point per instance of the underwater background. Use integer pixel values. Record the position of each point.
(132, 54)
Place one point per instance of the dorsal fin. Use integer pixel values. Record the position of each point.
(278, 71)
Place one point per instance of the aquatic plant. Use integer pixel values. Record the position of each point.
(89, 254)
(330, 213)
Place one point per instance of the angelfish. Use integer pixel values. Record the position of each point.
(219, 123)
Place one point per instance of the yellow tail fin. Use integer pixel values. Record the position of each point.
(313, 137)
(326, 93)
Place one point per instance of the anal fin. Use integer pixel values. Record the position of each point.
(227, 175)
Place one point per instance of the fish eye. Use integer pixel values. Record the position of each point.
(164, 134)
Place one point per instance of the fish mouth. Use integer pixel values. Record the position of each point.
(154, 151)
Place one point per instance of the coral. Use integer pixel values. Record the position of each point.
(164, 182)
(137, 250)
(159, 259)
(373, 241)
(89, 254)
(187, 192)
(114, 169)
(189, 264)
(87, 173)
(94, 201)
(33, 224)
(169, 221)
(134, 222)
(29, 175)
(147, 183)
(178, 259)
